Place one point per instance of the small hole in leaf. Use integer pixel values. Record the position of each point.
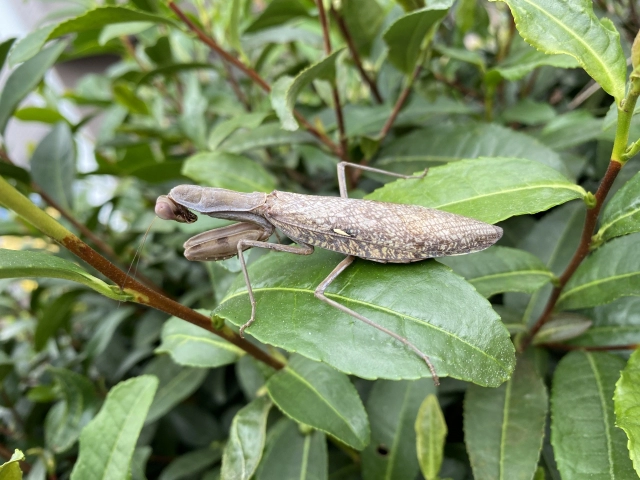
(382, 450)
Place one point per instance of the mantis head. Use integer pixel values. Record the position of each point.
(168, 209)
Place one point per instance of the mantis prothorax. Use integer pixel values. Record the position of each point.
(377, 231)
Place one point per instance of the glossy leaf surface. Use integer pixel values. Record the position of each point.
(500, 269)
(573, 28)
(626, 401)
(487, 189)
(243, 451)
(504, 426)
(315, 394)
(562, 327)
(621, 214)
(617, 323)
(585, 440)
(191, 346)
(611, 272)
(434, 313)
(108, 441)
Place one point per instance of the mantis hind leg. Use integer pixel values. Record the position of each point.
(342, 180)
(319, 294)
(303, 249)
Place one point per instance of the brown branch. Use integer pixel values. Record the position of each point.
(581, 251)
(344, 30)
(236, 87)
(326, 35)
(251, 73)
(399, 103)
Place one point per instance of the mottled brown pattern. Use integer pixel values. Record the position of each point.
(378, 231)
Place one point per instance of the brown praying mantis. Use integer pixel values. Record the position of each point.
(377, 231)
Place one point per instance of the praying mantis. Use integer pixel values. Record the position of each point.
(376, 231)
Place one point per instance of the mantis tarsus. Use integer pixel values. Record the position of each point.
(377, 231)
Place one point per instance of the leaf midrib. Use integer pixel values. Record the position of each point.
(593, 283)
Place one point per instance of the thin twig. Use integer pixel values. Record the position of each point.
(456, 85)
(344, 30)
(399, 103)
(251, 73)
(334, 85)
(236, 87)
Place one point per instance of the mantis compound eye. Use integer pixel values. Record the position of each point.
(167, 209)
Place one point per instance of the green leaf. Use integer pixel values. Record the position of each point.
(617, 323)
(501, 269)
(191, 463)
(67, 418)
(53, 165)
(291, 453)
(573, 29)
(175, 384)
(438, 144)
(243, 450)
(17, 264)
(317, 395)
(487, 189)
(571, 129)
(15, 172)
(223, 129)
(621, 214)
(117, 30)
(504, 426)
(230, 171)
(24, 79)
(10, 470)
(363, 19)
(277, 13)
(585, 440)
(528, 112)
(53, 316)
(91, 20)
(108, 441)
(625, 401)
(125, 96)
(611, 272)
(393, 408)
(562, 327)
(39, 114)
(286, 90)
(267, 135)
(289, 316)
(405, 36)
(191, 346)
(431, 432)
(4, 50)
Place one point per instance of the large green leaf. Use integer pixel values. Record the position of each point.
(230, 171)
(431, 432)
(487, 189)
(504, 426)
(286, 90)
(405, 36)
(91, 20)
(441, 143)
(24, 79)
(501, 269)
(267, 135)
(611, 272)
(277, 13)
(175, 384)
(617, 323)
(292, 453)
(625, 401)
(191, 346)
(572, 28)
(393, 408)
(585, 440)
(243, 451)
(108, 441)
(621, 214)
(77, 406)
(319, 396)
(10, 470)
(423, 301)
(53, 165)
(17, 264)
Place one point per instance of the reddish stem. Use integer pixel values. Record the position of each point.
(399, 103)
